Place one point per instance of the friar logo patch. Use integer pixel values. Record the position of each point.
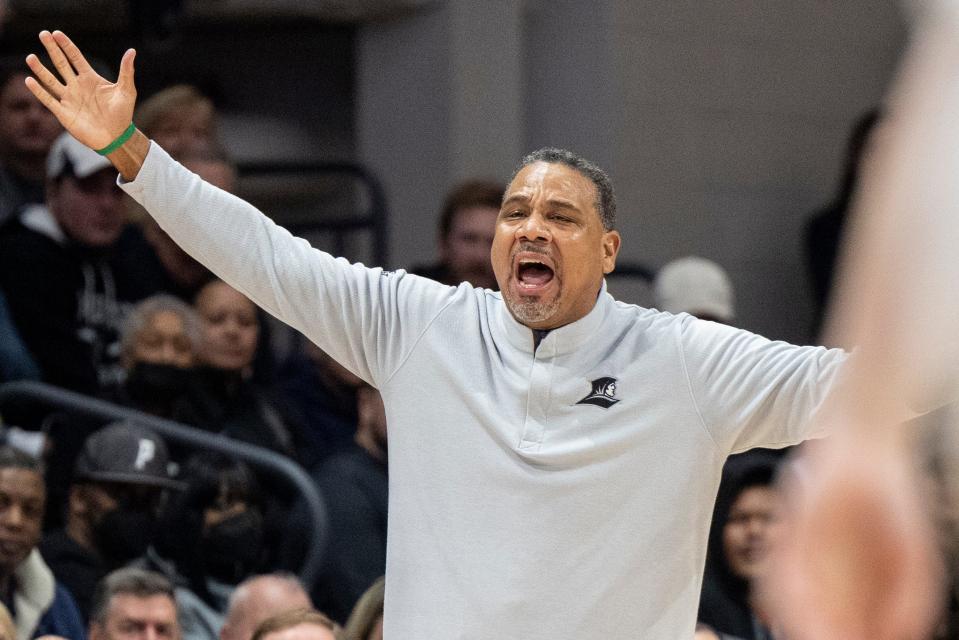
(603, 393)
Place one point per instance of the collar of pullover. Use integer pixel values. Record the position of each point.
(561, 340)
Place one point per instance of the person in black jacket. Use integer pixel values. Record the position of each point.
(64, 268)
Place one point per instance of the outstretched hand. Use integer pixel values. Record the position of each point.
(858, 559)
(94, 110)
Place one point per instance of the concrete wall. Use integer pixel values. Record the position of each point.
(722, 123)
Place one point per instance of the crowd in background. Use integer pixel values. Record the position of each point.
(98, 521)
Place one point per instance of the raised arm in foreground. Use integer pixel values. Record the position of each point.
(859, 559)
(95, 111)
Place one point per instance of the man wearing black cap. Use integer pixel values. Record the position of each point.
(111, 511)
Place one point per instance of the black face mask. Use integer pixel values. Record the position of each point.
(231, 549)
(157, 384)
(121, 536)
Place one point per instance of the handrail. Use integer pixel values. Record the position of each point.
(63, 399)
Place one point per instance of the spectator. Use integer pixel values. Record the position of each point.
(65, 272)
(212, 533)
(301, 624)
(261, 597)
(180, 118)
(27, 131)
(354, 487)
(159, 346)
(366, 621)
(739, 541)
(111, 516)
(38, 603)
(226, 400)
(210, 536)
(133, 603)
(696, 286)
(467, 223)
(320, 394)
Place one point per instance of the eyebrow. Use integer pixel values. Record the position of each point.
(553, 202)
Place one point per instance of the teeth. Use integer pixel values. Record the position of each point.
(524, 262)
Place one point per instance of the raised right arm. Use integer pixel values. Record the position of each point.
(366, 319)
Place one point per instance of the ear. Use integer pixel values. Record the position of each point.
(95, 632)
(611, 242)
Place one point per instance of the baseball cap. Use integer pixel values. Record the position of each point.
(70, 155)
(696, 286)
(125, 452)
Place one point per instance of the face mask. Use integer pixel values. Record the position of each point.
(121, 536)
(149, 384)
(231, 548)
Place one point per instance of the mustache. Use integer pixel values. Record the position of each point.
(530, 247)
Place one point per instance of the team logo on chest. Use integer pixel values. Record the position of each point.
(603, 393)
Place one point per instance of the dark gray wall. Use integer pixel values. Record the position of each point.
(723, 123)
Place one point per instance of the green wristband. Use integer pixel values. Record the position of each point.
(116, 144)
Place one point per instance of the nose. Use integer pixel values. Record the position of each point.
(534, 229)
(12, 517)
(168, 353)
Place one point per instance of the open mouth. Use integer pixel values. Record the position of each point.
(533, 274)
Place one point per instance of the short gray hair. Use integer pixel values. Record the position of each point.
(605, 198)
(129, 581)
(143, 312)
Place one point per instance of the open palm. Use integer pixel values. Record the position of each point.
(94, 110)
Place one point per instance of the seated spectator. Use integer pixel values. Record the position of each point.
(696, 286)
(211, 536)
(466, 228)
(111, 516)
(354, 487)
(320, 394)
(65, 273)
(180, 119)
(259, 598)
(212, 532)
(133, 603)
(742, 530)
(27, 131)
(366, 621)
(301, 624)
(226, 401)
(159, 345)
(38, 603)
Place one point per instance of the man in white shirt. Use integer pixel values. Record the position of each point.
(554, 454)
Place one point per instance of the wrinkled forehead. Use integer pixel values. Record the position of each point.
(552, 181)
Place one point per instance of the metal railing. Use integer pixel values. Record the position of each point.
(58, 398)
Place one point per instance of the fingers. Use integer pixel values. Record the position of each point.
(72, 52)
(56, 55)
(45, 98)
(125, 78)
(47, 79)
